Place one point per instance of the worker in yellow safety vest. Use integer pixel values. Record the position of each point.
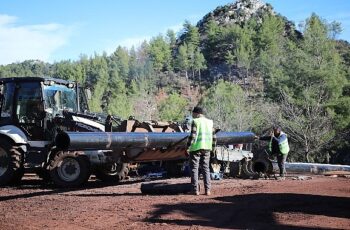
(201, 142)
(278, 145)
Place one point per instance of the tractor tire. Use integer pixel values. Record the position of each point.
(43, 174)
(69, 169)
(17, 178)
(11, 163)
(112, 173)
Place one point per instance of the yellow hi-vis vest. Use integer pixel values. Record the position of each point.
(284, 146)
(204, 137)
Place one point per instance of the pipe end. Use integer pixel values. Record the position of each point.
(62, 141)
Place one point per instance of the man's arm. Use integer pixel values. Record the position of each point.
(192, 136)
(265, 138)
(281, 138)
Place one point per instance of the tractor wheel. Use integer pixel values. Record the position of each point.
(17, 177)
(44, 174)
(11, 163)
(69, 169)
(114, 172)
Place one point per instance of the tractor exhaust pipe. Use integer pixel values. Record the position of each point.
(119, 140)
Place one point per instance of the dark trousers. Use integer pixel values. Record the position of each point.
(281, 160)
(200, 158)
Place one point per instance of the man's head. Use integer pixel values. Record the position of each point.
(276, 130)
(197, 111)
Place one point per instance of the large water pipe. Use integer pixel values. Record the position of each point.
(120, 140)
(264, 165)
(314, 168)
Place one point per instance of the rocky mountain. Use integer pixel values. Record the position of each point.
(215, 46)
(238, 12)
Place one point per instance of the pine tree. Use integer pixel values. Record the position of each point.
(160, 54)
(199, 63)
(133, 65)
(118, 101)
(192, 36)
(271, 54)
(98, 77)
(314, 90)
(244, 51)
(121, 59)
(182, 62)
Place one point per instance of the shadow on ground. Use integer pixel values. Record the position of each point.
(251, 211)
(50, 189)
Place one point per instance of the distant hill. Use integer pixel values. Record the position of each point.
(215, 45)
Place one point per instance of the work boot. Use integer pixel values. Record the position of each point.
(208, 193)
(196, 193)
(281, 177)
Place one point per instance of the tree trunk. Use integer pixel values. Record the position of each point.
(230, 73)
(307, 156)
(199, 76)
(327, 158)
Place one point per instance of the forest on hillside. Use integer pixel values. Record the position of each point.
(247, 73)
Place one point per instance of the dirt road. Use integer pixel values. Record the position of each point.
(321, 202)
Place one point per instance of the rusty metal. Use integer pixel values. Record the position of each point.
(148, 126)
(120, 140)
(151, 155)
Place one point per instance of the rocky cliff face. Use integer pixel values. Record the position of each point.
(237, 13)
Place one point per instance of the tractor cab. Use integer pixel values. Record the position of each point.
(32, 103)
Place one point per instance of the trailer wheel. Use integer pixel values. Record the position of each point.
(69, 169)
(112, 172)
(11, 163)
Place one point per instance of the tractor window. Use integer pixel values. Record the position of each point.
(82, 100)
(7, 103)
(58, 98)
(29, 102)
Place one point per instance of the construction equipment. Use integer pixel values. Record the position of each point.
(46, 127)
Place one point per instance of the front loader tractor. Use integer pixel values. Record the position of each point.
(46, 128)
(34, 110)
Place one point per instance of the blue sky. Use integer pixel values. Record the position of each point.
(63, 29)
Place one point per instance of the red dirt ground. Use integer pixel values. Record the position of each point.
(321, 202)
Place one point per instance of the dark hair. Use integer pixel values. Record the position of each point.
(277, 127)
(198, 110)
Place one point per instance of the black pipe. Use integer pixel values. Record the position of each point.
(120, 140)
